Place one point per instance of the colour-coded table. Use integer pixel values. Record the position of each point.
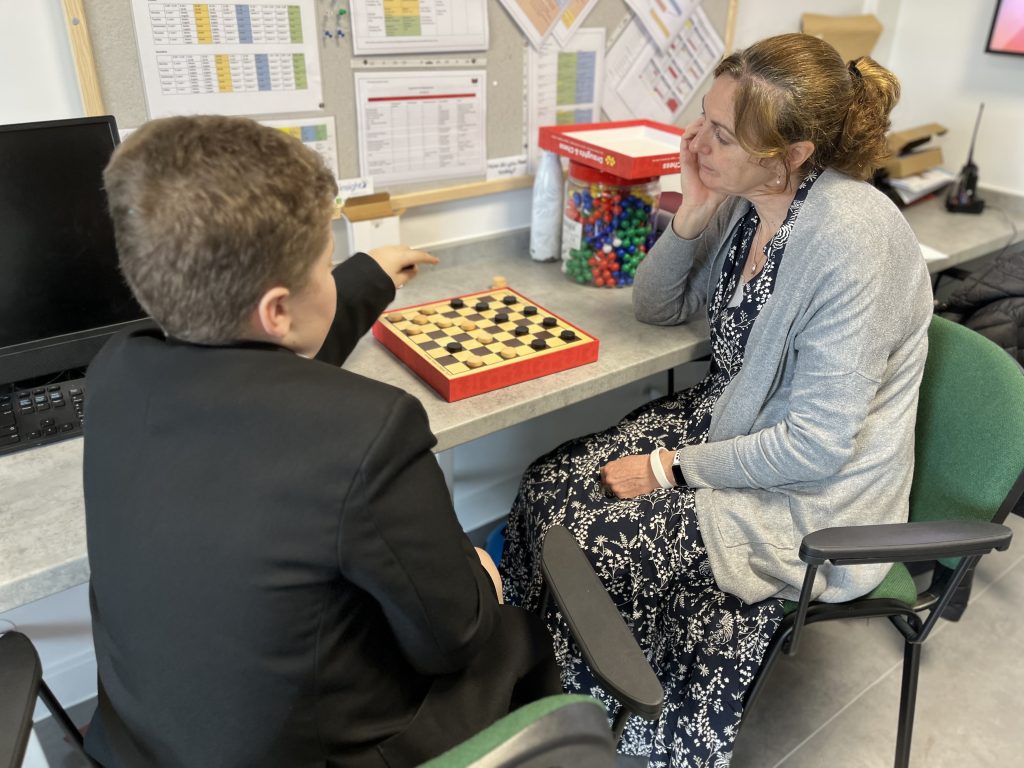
(227, 73)
(223, 23)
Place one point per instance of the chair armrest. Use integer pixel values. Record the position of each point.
(606, 642)
(903, 542)
(20, 676)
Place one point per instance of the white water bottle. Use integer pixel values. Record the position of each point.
(546, 214)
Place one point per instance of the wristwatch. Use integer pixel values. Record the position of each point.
(677, 471)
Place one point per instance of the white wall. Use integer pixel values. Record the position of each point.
(39, 73)
(940, 58)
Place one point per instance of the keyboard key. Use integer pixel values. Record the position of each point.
(35, 434)
(42, 406)
(47, 423)
(54, 387)
(9, 439)
(74, 391)
(67, 426)
(9, 429)
(50, 431)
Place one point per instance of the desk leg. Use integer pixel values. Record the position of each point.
(446, 460)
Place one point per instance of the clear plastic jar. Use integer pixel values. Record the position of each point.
(608, 226)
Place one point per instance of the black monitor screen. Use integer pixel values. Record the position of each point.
(59, 279)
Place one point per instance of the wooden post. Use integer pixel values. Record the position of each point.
(730, 25)
(85, 64)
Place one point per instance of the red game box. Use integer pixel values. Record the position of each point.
(629, 149)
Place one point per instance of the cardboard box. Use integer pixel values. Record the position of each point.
(371, 222)
(914, 162)
(909, 155)
(852, 36)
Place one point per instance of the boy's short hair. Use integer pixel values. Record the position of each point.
(209, 213)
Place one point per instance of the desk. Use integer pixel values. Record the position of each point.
(42, 547)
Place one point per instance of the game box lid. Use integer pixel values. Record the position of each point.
(629, 149)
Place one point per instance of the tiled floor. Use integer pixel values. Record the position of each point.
(835, 703)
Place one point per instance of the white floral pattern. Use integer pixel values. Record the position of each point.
(705, 645)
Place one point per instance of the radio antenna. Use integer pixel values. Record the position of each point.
(970, 154)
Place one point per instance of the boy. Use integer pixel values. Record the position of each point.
(278, 577)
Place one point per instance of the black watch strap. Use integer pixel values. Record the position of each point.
(677, 471)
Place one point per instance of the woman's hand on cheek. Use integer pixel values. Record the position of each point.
(629, 476)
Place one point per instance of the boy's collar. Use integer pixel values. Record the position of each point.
(240, 344)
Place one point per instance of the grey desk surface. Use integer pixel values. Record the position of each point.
(42, 546)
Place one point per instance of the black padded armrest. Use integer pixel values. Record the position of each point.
(20, 675)
(606, 642)
(903, 542)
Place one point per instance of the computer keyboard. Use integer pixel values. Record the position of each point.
(40, 415)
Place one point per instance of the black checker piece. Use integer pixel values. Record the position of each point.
(530, 310)
(549, 322)
(567, 335)
(501, 317)
(539, 344)
(521, 330)
(509, 300)
(456, 303)
(453, 346)
(480, 306)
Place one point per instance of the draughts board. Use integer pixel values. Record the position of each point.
(479, 342)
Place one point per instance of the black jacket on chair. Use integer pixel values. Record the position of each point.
(278, 576)
(991, 302)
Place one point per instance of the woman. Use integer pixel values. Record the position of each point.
(692, 508)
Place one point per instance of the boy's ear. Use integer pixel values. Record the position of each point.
(272, 313)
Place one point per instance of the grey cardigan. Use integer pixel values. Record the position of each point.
(817, 428)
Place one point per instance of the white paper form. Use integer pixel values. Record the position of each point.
(564, 85)
(317, 133)
(536, 18)
(662, 18)
(418, 26)
(572, 17)
(421, 126)
(642, 82)
(233, 59)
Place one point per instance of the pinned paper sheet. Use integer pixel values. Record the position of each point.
(852, 36)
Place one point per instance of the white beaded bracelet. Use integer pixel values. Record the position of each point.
(659, 470)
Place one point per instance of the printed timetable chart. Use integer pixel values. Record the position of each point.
(317, 133)
(421, 126)
(564, 83)
(418, 26)
(228, 58)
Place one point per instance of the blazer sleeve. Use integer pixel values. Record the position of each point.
(400, 541)
(364, 291)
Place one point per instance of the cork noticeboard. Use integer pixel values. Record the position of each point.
(102, 37)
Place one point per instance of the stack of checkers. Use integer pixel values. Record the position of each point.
(490, 330)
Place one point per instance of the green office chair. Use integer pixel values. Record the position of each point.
(555, 731)
(967, 478)
(571, 730)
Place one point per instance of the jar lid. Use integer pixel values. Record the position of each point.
(586, 173)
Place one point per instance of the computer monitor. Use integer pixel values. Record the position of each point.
(61, 294)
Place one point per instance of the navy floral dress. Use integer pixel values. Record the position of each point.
(705, 645)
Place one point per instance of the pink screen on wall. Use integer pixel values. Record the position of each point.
(1007, 34)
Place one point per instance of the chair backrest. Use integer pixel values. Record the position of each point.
(565, 730)
(970, 428)
(20, 676)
